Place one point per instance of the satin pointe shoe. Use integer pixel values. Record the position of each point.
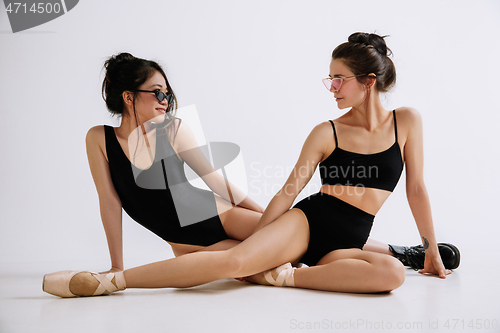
(284, 277)
(57, 283)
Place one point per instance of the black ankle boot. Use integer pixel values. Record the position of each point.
(414, 256)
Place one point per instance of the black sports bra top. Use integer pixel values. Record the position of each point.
(155, 197)
(380, 170)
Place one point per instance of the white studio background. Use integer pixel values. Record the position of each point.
(253, 69)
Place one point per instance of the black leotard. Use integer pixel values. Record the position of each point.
(148, 198)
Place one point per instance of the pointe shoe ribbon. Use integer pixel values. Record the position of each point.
(57, 283)
(107, 287)
(285, 274)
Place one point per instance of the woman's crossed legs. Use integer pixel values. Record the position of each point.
(284, 240)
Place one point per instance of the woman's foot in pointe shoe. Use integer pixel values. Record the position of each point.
(281, 276)
(82, 283)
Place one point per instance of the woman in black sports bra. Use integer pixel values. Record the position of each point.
(361, 156)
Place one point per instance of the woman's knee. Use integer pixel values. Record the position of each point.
(392, 274)
(235, 263)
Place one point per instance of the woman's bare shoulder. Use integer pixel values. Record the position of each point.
(95, 133)
(322, 129)
(321, 138)
(408, 115)
(409, 121)
(95, 137)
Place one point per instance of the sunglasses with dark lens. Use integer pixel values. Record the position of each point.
(160, 95)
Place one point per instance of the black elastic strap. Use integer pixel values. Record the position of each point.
(395, 125)
(334, 134)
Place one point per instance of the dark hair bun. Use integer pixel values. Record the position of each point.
(118, 58)
(118, 61)
(374, 40)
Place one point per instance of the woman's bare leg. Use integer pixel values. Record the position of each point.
(378, 247)
(286, 239)
(221, 246)
(238, 222)
(352, 270)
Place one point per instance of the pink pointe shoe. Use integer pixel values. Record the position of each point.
(57, 283)
(284, 277)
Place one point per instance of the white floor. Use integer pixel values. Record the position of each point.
(467, 301)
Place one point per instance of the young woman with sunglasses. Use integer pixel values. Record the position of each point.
(326, 231)
(120, 158)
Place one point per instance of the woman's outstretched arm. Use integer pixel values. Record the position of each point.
(416, 192)
(109, 202)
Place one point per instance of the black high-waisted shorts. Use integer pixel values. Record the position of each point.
(333, 224)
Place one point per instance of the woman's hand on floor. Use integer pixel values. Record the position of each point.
(434, 265)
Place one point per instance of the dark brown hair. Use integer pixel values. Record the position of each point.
(124, 72)
(366, 53)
